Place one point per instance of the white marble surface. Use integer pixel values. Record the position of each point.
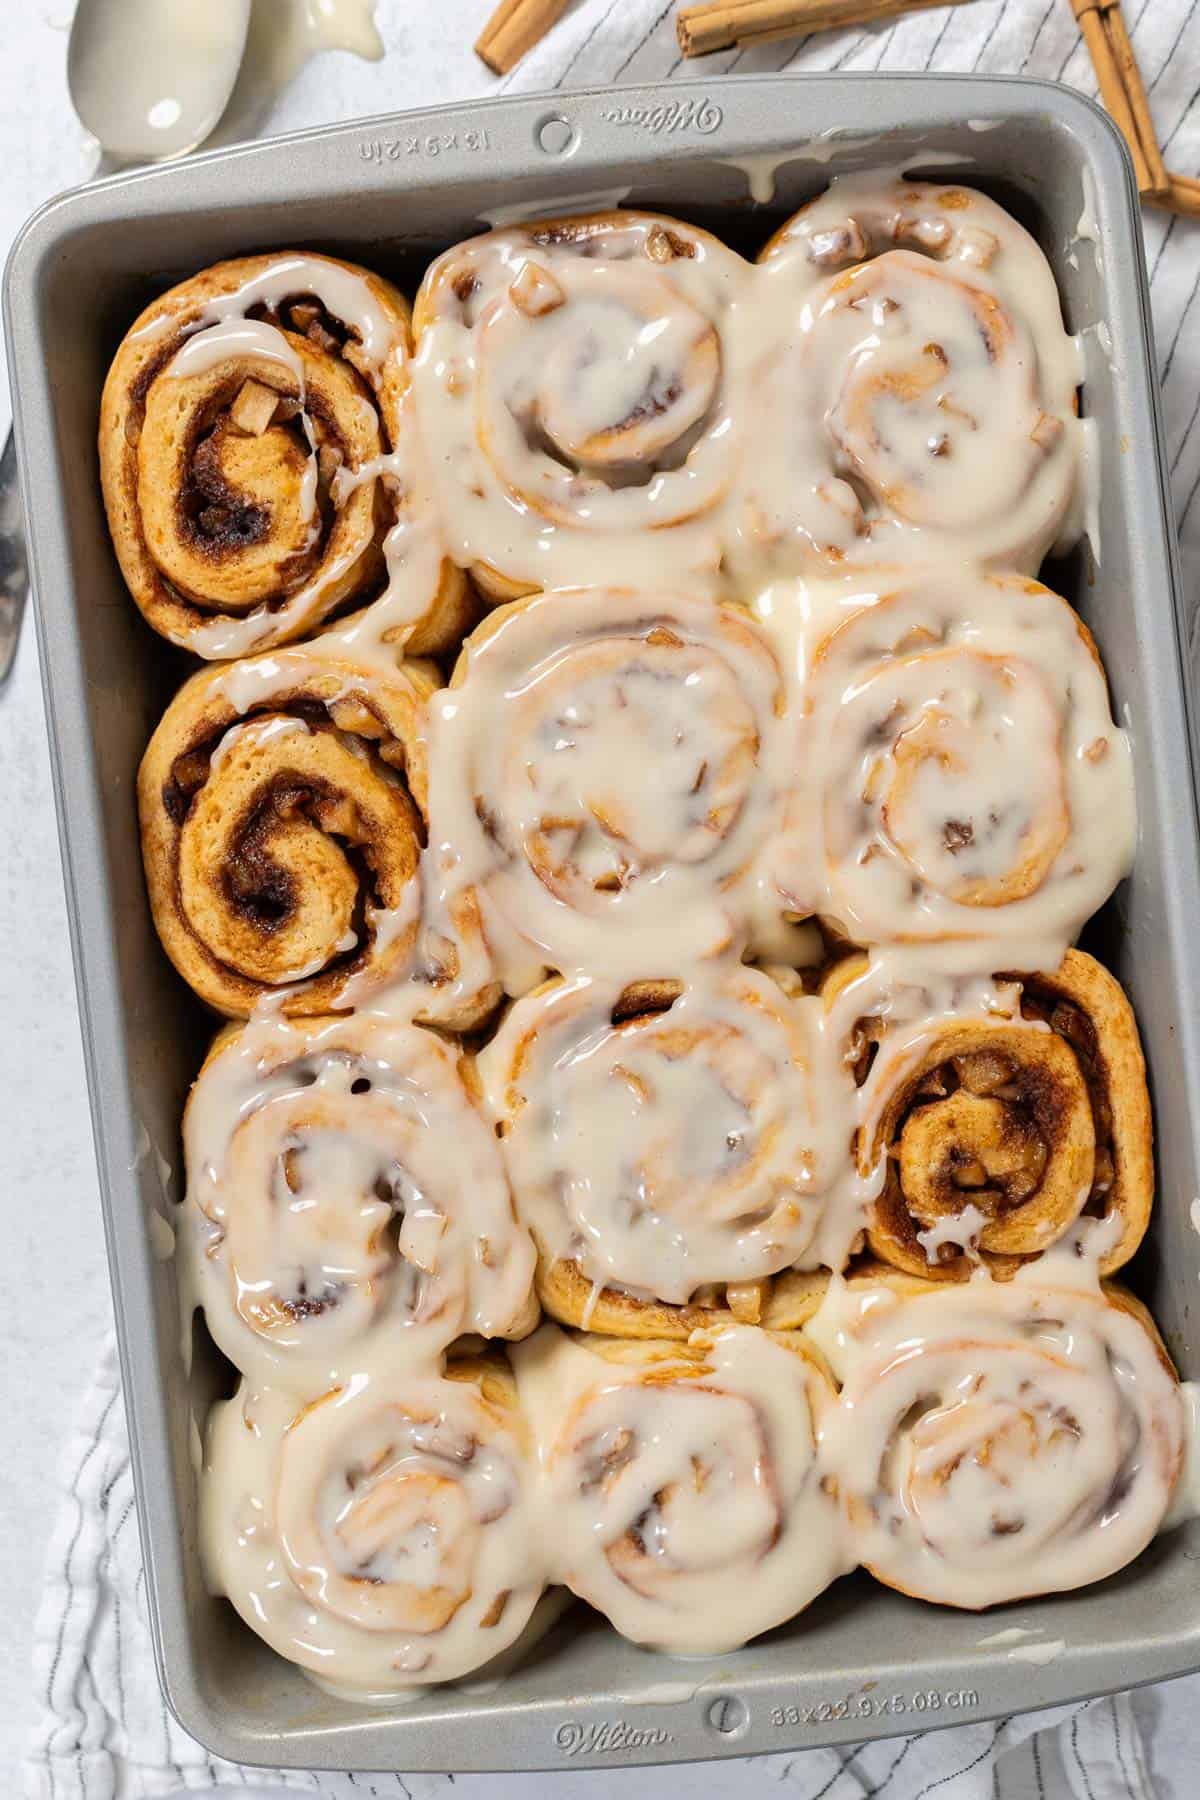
(57, 1295)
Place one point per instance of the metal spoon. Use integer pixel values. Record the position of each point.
(150, 80)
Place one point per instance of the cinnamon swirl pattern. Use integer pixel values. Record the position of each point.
(921, 324)
(965, 777)
(346, 1203)
(681, 1482)
(575, 381)
(685, 959)
(672, 1142)
(998, 1132)
(382, 1536)
(280, 804)
(1009, 1441)
(244, 428)
(542, 799)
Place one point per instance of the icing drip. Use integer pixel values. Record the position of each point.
(999, 1440)
(680, 1490)
(342, 291)
(693, 1134)
(346, 1204)
(383, 1537)
(540, 800)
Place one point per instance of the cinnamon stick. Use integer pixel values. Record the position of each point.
(1182, 196)
(720, 24)
(1139, 105)
(513, 29)
(1095, 18)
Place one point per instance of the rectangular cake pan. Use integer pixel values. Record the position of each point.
(391, 192)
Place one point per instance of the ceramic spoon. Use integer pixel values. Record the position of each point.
(151, 78)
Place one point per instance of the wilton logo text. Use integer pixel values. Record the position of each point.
(680, 115)
(607, 1736)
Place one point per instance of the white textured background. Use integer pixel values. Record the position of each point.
(56, 1296)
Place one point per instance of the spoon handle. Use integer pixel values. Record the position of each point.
(14, 564)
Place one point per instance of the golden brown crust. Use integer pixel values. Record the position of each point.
(670, 1359)
(778, 1303)
(568, 1296)
(485, 630)
(489, 1371)
(795, 1296)
(1031, 1128)
(449, 616)
(1118, 1295)
(248, 883)
(442, 958)
(204, 473)
(1087, 1005)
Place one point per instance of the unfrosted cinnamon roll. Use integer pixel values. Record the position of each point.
(681, 1492)
(996, 1131)
(246, 426)
(921, 327)
(993, 1442)
(347, 1205)
(384, 1535)
(672, 1146)
(280, 803)
(607, 772)
(961, 774)
(573, 381)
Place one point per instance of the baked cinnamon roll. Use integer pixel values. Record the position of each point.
(682, 1494)
(347, 1205)
(573, 381)
(995, 1130)
(384, 1536)
(673, 1146)
(281, 813)
(925, 392)
(257, 447)
(1002, 1440)
(607, 773)
(960, 774)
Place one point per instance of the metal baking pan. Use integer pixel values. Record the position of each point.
(863, 1661)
